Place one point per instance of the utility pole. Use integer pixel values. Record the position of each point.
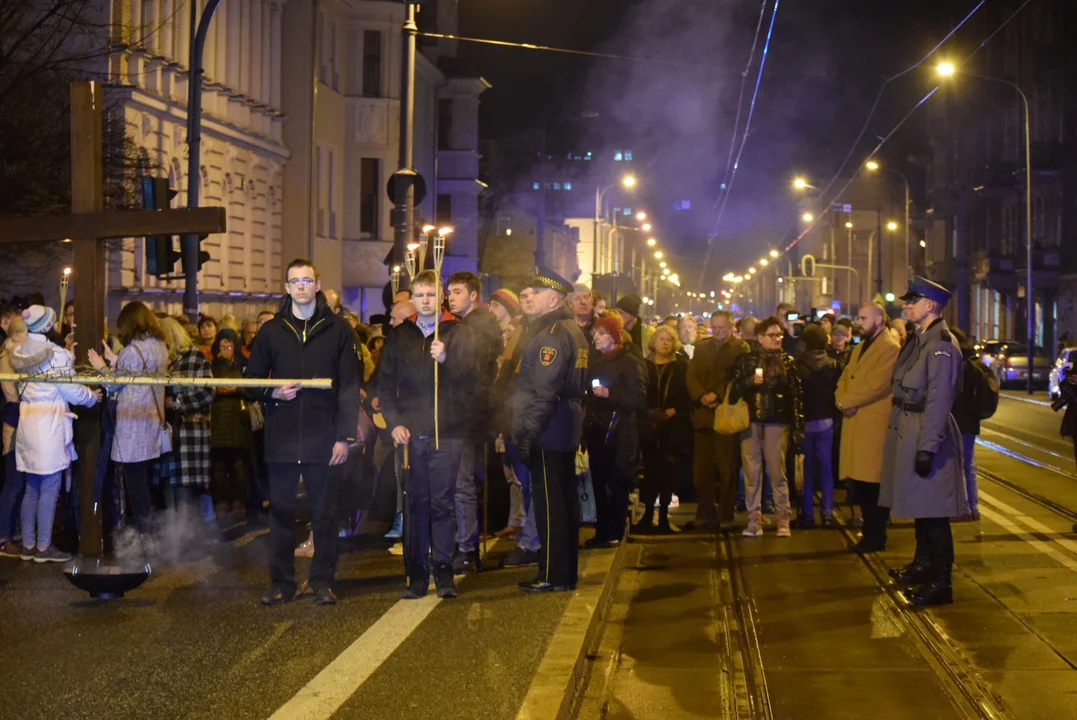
(404, 227)
(189, 243)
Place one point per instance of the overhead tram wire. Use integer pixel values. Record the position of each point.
(907, 115)
(570, 51)
(744, 141)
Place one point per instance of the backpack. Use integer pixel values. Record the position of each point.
(983, 388)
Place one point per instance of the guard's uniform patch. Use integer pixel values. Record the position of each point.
(547, 355)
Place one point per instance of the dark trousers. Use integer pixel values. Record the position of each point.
(659, 478)
(557, 513)
(283, 491)
(611, 486)
(431, 498)
(875, 517)
(715, 465)
(136, 478)
(231, 476)
(935, 543)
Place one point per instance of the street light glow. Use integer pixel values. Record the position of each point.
(807, 217)
(641, 215)
(891, 225)
(751, 271)
(662, 264)
(871, 165)
(764, 262)
(657, 254)
(665, 271)
(629, 181)
(923, 243)
(646, 227)
(774, 253)
(849, 225)
(800, 183)
(651, 242)
(890, 297)
(946, 69)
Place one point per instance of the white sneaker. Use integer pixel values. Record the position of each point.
(753, 531)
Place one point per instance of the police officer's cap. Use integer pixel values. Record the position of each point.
(922, 287)
(547, 279)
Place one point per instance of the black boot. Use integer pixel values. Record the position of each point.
(645, 526)
(418, 584)
(915, 573)
(664, 527)
(939, 591)
(443, 580)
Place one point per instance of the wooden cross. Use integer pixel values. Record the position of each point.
(88, 227)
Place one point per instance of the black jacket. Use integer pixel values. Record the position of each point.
(303, 430)
(819, 375)
(548, 405)
(779, 403)
(230, 418)
(612, 428)
(406, 379)
(967, 402)
(486, 336)
(668, 385)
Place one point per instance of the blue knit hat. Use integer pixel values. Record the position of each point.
(39, 318)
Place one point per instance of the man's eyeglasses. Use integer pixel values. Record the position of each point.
(301, 282)
(912, 299)
(774, 336)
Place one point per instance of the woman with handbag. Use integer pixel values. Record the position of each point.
(766, 378)
(618, 395)
(186, 470)
(231, 436)
(667, 384)
(142, 433)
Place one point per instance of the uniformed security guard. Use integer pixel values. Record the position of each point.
(923, 476)
(546, 426)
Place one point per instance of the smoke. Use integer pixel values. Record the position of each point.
(180, 536)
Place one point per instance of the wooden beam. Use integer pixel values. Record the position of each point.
(99, 225)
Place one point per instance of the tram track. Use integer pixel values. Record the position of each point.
(751, 695)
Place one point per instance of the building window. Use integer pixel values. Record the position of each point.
(618, 156)
(628, 155)
(557, 186)
(444, 209)
(628, 211)
(568, 186)
(372, 63)
(368, 196)
(536, 185)
(445, 124)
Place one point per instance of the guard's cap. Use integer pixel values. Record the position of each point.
(547, 279)
(922, 287)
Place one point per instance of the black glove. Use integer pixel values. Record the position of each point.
(923, 463)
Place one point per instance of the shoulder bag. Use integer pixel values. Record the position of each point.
(731, 418)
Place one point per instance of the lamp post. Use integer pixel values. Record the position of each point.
(874, 166)
(629, 182)
(949, 70)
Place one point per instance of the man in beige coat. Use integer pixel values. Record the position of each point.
(863, 397)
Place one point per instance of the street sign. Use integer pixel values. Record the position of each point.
(401, 180)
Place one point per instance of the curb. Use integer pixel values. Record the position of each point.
(562, 672)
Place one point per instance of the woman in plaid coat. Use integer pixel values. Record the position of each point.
(188, 468)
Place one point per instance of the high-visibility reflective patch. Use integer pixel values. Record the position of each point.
(547, 355)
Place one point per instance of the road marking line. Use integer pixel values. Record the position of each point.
(1032, 523)
(1029, 400)
(339, 680)
(1042, 546)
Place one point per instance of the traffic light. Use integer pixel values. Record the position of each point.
(161, 257)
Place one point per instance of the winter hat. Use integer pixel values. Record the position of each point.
(612, 324)
(840, 329)
(39, 318)
(630, 304)
(814, 338)
(508, 300)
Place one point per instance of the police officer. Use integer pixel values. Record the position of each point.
(923, 476)
(546, 426)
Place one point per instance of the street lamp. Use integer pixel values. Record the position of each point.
(764, 262)
(774, 253)
(641, 215)
(662, 264)
(948, 69)
(800, 184)
(891, 226)
(807, 217)
(628, 182)
(646, 227)
(658, 255)
(651, 242)
(873, 166)
(849, 225)
(923, 243)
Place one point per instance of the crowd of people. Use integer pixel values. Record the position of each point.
(553, 382)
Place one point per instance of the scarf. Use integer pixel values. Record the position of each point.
(773, 364)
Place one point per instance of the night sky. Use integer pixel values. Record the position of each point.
(826, 63)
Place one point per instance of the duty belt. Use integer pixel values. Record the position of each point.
(908, 407)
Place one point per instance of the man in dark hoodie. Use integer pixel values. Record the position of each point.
(406, 397)
(819, 375)
(307, 430)
(640, 332)
(463, 292)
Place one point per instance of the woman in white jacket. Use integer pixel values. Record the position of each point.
(44, 443)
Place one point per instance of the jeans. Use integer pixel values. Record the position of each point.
(818, 472)
(431, 490)
(469, 481)
(970, 473)
(10, 496)
(528, 539)
(765, 444)
(39, 509)
(283, 492)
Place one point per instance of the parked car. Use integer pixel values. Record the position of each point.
(1010, 365)
(1065, 361)
(989, 349)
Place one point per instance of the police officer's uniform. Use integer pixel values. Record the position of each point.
(546, 426)
(923, 473)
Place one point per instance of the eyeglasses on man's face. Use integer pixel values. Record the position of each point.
(774, 335)
(301, 282)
